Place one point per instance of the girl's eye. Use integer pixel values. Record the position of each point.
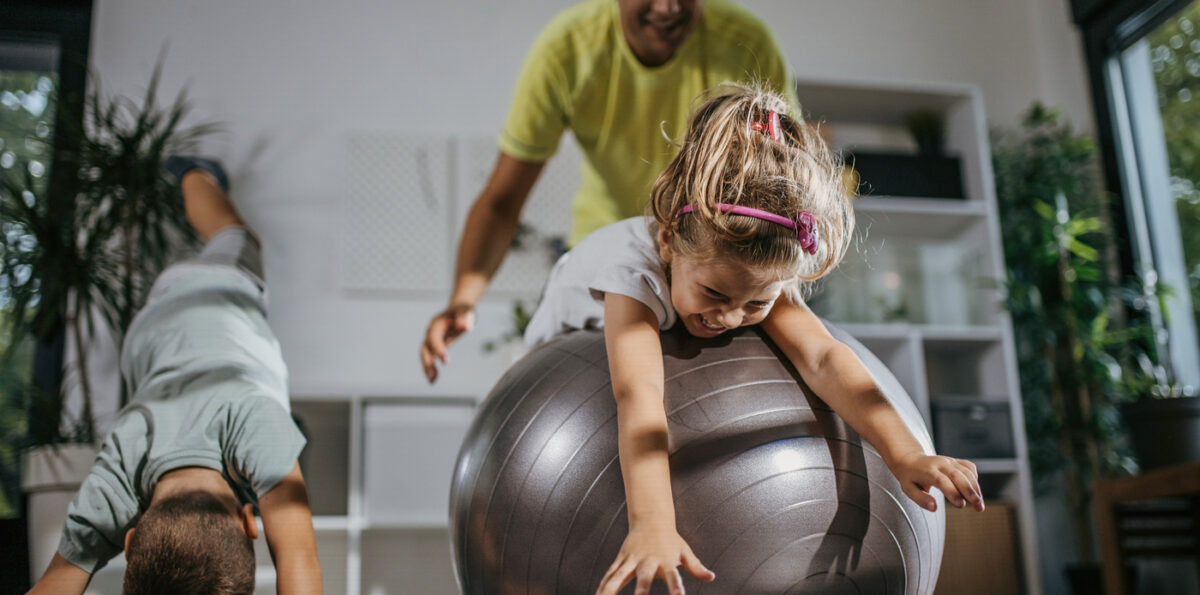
(759, 305)
(714, 295)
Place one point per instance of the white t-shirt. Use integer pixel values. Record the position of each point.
(618, 258)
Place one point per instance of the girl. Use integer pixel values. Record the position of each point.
(749, 213)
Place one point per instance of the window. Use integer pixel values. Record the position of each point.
(1144, 61)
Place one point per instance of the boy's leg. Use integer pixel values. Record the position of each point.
(208, 207)
(228, 240)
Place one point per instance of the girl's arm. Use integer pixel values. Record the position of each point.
(834, 373)
(653, 547)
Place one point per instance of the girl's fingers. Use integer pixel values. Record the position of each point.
(693, 566)
(645, 578)
(673, 580)
(615, 578)
(943, 483)
(920, 496)
(969, 475)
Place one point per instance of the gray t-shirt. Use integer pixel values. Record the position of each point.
(209, 389)
(619, 258)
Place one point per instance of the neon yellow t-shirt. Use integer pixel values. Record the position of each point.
(581, 74)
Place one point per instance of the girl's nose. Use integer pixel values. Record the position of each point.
(731, 318)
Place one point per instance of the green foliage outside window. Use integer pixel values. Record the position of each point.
(1175, 59)
(26, 129)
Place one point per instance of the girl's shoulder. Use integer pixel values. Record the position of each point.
(626, 242)
(633, 229)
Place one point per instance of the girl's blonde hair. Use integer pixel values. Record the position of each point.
(727, 157)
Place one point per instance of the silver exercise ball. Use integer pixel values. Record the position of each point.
(773, 491)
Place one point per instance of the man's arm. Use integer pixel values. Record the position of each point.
(287, 522)
(487, 235)
(61, 577)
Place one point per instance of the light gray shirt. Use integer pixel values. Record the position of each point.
(209, 389)
(619, 258)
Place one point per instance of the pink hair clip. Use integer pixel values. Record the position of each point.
(805, 224)
(771, 128)
(806, 232)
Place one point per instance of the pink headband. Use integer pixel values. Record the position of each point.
(805, 224)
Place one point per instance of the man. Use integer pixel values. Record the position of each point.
(620, 74)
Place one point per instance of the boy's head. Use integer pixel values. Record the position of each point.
(192, 542)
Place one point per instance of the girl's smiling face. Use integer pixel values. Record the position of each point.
(712, 297)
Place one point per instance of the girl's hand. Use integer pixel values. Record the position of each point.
(649, 554)
(956, 478)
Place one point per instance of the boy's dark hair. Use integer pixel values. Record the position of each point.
(189, 543)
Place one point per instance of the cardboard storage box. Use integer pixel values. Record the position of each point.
(982, 556)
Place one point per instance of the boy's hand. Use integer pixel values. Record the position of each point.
(652, 553)
(446, 326)
(958, 479)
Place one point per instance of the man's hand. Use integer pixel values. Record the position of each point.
(446, 327)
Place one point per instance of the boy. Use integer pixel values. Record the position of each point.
(208, 433)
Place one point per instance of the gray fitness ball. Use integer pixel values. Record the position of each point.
(773, 491)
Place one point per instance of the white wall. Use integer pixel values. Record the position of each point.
(290, 79)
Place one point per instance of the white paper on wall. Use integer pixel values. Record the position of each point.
(397, 233)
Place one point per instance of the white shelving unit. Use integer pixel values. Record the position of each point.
(922, 289)
(378, 470)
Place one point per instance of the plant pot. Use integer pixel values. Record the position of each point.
(50, 476)
(1164, 432)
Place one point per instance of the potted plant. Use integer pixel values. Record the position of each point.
(1068, 309)
(1162, 415)
(80, 256)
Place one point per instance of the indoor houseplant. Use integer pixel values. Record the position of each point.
(77, 257)
(1162, 413)
(1069, 309)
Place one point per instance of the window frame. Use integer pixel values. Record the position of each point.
(67, 23)
(1109, 28)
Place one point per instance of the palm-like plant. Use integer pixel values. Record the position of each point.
(93, 244)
